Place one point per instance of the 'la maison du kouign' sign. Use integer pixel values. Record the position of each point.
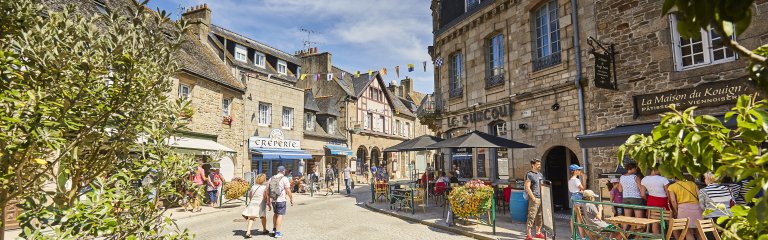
(704, 95)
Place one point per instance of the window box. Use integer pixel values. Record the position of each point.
(546, 62)
(227, 120)
(456, 92)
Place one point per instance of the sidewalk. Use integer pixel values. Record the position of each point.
(433, 216)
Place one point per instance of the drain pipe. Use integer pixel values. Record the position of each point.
(577, 81)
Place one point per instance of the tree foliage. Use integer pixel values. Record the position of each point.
(84, 115)
(686, 143)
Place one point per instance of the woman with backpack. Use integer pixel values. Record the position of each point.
(257, 205)
(212, 188)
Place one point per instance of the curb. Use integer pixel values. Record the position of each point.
(430, 224)
(198, 214)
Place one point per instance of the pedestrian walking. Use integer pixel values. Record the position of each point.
(533, 193)
(198, 178)
(257, 205)
(632, 191)
(329, 176)
(684, 201)
(279, 193)
(656, 186)
(715, 194)
(347, 176)
(212, 186)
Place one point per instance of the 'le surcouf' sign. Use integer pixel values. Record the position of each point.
(487, 114)
(704, 95)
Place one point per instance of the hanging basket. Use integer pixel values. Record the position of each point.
(471, 200)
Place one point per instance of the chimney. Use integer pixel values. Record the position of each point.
(199, 19)
(316, 63)
(407, 85)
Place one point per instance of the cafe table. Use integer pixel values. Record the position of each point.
(635, 222)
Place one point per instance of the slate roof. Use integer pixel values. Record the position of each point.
(361, 83)
(199, 60)
(260, 47)
(328, 106)
(320, 132)
(309, 101)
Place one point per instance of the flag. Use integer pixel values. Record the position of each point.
(425, 66)
(370, 72)
(357, 74)
(384, 71)
(329, 77)
(317, 77)
(439, 62)
(397, 71)
(303, 76)
(410, 67)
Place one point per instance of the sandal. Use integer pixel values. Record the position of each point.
(248, 236)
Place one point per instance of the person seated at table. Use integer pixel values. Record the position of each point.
(441, 184)
(593, 215)
(452, 178)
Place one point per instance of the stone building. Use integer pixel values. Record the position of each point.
(273, 105)
(509, 68)
(413, 100)
(656, 67)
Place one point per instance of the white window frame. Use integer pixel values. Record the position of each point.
(241, 53)
(182, 93)
(309, 121)
(382, 120)
(282, 67)
(407, 129)
(226, 105)
(287, 118)
(707, 48)
(331, 124)
(259, 60)
(367, 121)
(265, 114)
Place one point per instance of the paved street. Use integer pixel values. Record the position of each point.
(319, 217)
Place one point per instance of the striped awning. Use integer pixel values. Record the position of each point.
(285, 154)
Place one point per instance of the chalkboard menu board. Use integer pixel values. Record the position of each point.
(480, 165)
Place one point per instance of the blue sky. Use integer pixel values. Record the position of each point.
(361, 35)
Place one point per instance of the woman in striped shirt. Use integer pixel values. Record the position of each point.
(715, 194)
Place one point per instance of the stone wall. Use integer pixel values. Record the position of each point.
(645, 64)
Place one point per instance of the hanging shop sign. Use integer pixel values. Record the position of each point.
(488, 114)
(605, 64)
(276, 140)
(704, 95)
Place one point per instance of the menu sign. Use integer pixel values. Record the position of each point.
(704, 95)
(603, 71)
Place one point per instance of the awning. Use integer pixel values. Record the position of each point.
(461, 156)
(281, 154)
(619, 135)
(197, 144)
(339, 150)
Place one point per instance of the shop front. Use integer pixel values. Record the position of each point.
(205, 148)
(336, 155)
(268, 153)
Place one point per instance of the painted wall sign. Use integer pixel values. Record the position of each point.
(276, 140)
(487, 114)
(704, 95)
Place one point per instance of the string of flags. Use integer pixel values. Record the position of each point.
(383, 71)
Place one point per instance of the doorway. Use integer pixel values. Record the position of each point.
(556, 162)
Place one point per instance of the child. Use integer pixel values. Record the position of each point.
(616, 196)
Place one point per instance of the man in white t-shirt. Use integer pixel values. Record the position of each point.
(347, 176)
(278, 202)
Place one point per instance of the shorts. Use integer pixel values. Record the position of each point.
(328, 181)
(212, 195)
(634, 201)
(574, 196)
(657, 202)
(279, 208)
(534, 212)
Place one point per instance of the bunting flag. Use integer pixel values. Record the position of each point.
(303, 76)
(384, 72)
(410, 67)
(425, 66)
(397, 71)
(317, 77)
(439, 62)
(370, 73)
(357, 74)
(329, 77)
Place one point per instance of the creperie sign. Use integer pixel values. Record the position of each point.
(261, 142)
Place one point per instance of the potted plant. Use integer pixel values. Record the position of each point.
(472, 199)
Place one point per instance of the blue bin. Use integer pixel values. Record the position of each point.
(518, 206)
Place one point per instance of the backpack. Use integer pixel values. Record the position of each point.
(314, 178)
(274, 188)
(216, 180)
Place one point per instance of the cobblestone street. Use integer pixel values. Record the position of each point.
(319, 217)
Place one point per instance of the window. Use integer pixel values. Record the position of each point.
(375, 94)
(309, 121)
(495, 55)
(225, 106)
(282, 67)
(241, 53)
(184, 91)
(331, 124)
(471, 4)
(259, 59)
(397, 127)
(546, 36)
(368, 120)
(298, 71)
(407, 130)
(265, 114)
(692, 53)
(381, 123)
(287, 118)
(457, 70)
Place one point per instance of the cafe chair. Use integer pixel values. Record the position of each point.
(418, 199)
(679, 224)
(381, 191)
(499, 198)
(706, 226)
(656, 214)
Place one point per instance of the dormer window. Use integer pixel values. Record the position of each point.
(282, 67)
(241, 53)
(331, 125)
(298, 71)
(259, 59)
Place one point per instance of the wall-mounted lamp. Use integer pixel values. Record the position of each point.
(522, 126)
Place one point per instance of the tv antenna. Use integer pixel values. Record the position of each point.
(308, 41)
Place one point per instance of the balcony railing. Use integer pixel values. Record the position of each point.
(495, 80)
(456, 92)
(547, 61)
